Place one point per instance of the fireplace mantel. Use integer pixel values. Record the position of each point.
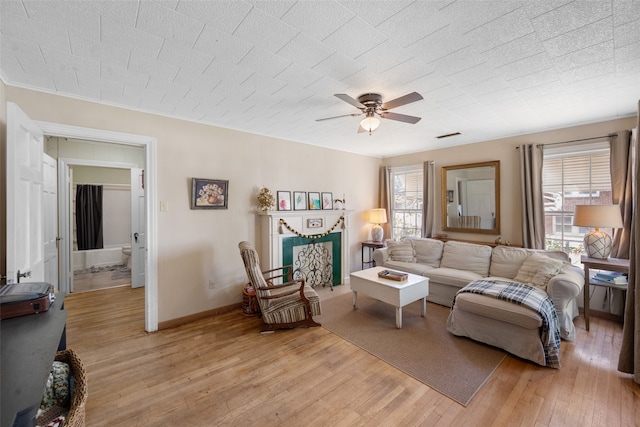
(272, 234)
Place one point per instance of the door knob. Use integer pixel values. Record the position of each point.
(26, 274)
(135, 237)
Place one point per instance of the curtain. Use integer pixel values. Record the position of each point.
(428, 199)
(89, 216)
(385, 198)
(531, 156)
(629, 360)
(621, 170)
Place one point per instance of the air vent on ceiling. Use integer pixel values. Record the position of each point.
(448, 135)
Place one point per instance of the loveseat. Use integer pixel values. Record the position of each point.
(452, 265)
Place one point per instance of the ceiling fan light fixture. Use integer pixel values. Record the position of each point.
(370, 123)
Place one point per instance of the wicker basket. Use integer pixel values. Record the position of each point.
(75, 417)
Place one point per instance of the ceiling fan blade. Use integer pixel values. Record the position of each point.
(400, 117)
(407, 99)
(337, 117)
(350, 100)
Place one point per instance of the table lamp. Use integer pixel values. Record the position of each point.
(377, 217)
(597, 243)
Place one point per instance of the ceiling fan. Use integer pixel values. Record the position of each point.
(371, 105)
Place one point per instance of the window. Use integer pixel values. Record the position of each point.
(406, 202)
(573, 175)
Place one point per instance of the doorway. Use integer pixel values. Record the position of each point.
(148, 254)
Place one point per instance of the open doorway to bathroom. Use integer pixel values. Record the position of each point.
(101, 224)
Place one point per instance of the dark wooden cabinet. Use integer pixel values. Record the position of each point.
(28, 348)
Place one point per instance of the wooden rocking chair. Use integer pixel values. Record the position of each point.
(286, 305)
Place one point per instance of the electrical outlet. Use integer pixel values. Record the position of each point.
(211, 283)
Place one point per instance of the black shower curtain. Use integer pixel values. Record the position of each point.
(89, 216)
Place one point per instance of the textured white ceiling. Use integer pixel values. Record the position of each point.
(487, 69)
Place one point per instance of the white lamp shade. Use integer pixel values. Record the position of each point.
(598, 216)
(378, 216)
(370, 123)
(597, 243)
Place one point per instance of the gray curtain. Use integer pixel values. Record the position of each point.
(629, 360)
(89, 216)
(428, 199)
(385, 198)
(531, 157)
(621, 170)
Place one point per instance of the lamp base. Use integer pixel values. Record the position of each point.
(377, 233)
(597, 244)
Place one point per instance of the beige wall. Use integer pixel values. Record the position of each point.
(503, 150)
(195, 246)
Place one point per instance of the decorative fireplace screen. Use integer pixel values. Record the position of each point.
(315, 260)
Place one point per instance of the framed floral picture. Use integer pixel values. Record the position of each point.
(327, 200)
(209, 193)
(299, 200)
(314, 201)
(284, 200)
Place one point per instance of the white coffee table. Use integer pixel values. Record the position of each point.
(398, 294)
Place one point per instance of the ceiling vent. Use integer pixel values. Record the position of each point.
(448, 135)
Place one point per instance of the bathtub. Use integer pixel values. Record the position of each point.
(110, 255)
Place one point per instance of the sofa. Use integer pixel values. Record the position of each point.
(452, 265)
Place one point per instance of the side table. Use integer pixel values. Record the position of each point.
(371, 245)
(611, 264)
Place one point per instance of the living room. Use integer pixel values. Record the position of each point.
(198, 271)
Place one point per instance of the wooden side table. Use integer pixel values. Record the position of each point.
(611, 264)
(371, 245)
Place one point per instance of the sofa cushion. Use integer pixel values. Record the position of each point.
(407, 267)
(466, 256)
(428, 251)
(538, 269)
(452, 276)
(506, 261)
(503, 311)
(401, 251)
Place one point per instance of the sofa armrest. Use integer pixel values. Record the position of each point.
(381, 256)
(566, 285)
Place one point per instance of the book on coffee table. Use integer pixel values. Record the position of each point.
(393, 275)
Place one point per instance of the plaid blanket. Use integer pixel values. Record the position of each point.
(531, 298)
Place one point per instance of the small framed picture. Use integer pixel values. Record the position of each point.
(327, 200)
(450, 196)
(314, 201)
(209, 193)
(299, 200)
(284, 200)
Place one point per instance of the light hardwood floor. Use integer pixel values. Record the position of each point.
(221, 371)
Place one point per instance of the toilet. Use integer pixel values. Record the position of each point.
(126, 255)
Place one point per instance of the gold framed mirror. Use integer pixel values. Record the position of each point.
(471, 198)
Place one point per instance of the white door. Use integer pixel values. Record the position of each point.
(480, 201)
(50, 216)
(25, 234)
(138, 227)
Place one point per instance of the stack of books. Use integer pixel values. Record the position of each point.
(611, 277)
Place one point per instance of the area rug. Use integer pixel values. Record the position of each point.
(456, 367)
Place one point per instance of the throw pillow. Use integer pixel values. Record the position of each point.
(401, 251)
(537, 270)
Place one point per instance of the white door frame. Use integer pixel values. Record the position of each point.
(149, 145)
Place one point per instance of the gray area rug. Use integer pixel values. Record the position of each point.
(456, 367)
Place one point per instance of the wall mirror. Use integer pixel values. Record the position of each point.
(471, 198)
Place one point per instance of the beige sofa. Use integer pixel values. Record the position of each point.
(452, 265)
